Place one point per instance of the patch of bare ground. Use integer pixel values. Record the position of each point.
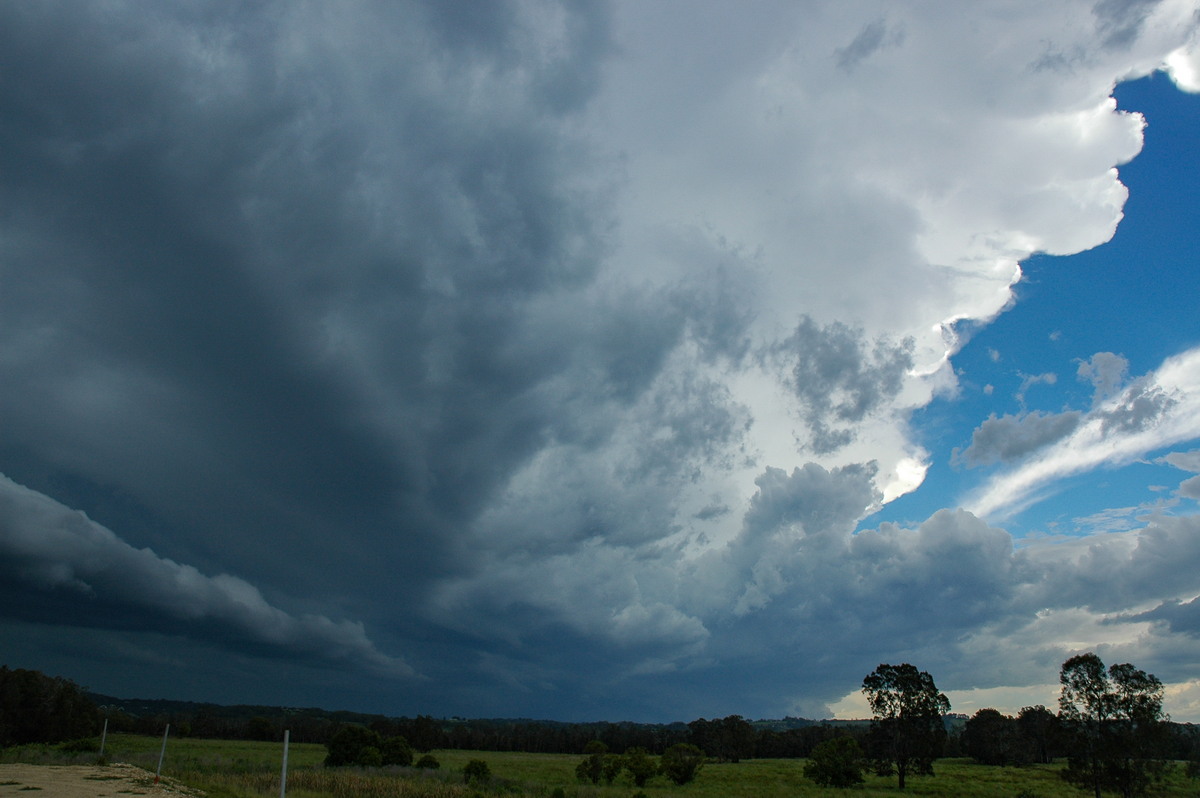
(86, 781)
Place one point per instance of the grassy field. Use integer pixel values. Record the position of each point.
(240, 769)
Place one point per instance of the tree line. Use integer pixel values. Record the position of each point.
(1109, 728)
(36, 708)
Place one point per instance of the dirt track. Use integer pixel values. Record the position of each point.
(85, 781)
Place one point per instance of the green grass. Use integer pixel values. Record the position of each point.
(240, 769)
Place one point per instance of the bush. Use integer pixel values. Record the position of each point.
(478, 771)
(428, 762)
(346, 745)
(369, 757)
(640, 764)
(396, 751)
(837, 762)
(681, 762)
(592, 767)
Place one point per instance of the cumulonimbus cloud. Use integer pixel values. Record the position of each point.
(477, 296)
(49, 547)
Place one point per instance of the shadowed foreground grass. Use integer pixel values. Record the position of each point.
(241, 769)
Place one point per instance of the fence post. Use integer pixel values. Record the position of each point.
(283, 776)
(162, 753)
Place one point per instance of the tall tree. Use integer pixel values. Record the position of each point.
(1114, 725)
(907, 732)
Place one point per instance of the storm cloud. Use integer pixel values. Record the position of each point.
(540, 358)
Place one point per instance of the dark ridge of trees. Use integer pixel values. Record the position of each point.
(730, 739)
(39, 708)
(36, 708)
(1034, 735)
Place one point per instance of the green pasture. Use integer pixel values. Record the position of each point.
(241, 769)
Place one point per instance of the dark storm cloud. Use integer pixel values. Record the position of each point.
(839, 377)
(61, 554)
(1010, 437)
(272, 313)
(458, 340)
(279, 308)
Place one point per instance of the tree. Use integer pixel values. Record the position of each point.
(424, 734)
(736, 738)
(729, 739)
(907, 730)
(1114, 725)
(1038, 728)
(837, 762)
(991, 738)
(681, 762)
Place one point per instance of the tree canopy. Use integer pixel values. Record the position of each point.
(907, 731)
(36, 708)
(1114, 724)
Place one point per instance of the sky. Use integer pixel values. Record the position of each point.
(599, 360)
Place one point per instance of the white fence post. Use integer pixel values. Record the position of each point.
(162, 753)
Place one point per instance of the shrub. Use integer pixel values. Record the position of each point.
(478, 771)
(640, 764)
(681, 762)
(592, 767)
(369, 757)
(396, 751)
(429, 762)
(347, 744)
(837, 762)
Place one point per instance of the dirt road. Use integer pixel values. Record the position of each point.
(85, 781)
